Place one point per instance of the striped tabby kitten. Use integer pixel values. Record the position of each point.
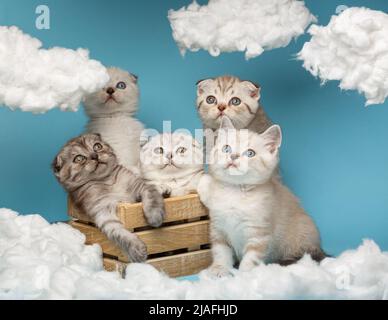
(89, 171)
(230, 96)
(254, 217)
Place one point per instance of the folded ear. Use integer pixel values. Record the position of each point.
(146, 136)
(134, 77)
(253, 88)
(226, 123)
(273, 138)
(57, 164)
(201, 85)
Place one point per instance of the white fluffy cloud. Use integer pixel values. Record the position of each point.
(37, 80)
(239, 25)
(43, 261)
(352, 48)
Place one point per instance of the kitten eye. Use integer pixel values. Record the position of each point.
(227, 149)
(79, 159)
(97, 147)
(121, 85)
(235, 101)
(159, 150)
(181, 150)
(211, 100)
(249, 153)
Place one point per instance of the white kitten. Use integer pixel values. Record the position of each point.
(254, 218)
(111, 112)
(173, 163)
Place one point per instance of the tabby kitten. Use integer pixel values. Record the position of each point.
(254, 217)
(173, 162)
(238, 100)
(89, 171)
(111, 113)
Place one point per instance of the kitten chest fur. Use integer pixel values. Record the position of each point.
(122, 133)
(237, 211)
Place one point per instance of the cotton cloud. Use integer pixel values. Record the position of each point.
(352, 48)
(239, 25)
(43, 261)
(37, 80)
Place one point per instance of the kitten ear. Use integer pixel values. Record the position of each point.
(57, 164)
(273, 138)
(201, 84)
(146, 136)
(226, 123)
(134, 77)
(254, 89)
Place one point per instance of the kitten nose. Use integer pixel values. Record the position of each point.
(235, 156)
(110, 91)
(222, 107)
(169, 155)
(94, 156)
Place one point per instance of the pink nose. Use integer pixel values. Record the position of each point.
(222, 107)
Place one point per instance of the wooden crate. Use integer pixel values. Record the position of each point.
(180, 247)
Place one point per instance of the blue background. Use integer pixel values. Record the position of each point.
(335, 154)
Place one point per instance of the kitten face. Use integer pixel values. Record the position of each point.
(83, 159)
(239, 100)
(121, 94)
(171, 156)
(244, 157)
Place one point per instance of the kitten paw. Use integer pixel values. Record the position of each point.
(137, 251)
(155, 217)
(246, 266)
(219, 271)
(165, 191)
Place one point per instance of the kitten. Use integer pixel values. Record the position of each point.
(173, 163)
(89, 171)
(230, 96)
(254, 217)
(111, 112)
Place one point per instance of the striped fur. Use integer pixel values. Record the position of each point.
(99, 183)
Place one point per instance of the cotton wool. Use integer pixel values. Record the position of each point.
(353, 49)
(239, 25)
(37, 80)
(39, 260)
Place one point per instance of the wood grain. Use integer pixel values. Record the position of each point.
(131, 215)
(174, 266)
(160, 240)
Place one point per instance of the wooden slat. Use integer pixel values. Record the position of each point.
(131, 215)
(174, 266)
(157, 240)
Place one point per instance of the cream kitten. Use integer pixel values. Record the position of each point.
(111, 112)
(173, 163)
(254, 218)
(234, 98)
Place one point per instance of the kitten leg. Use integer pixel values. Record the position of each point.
(223, 256)
(153, 203)
(107, 221)
(254, 254)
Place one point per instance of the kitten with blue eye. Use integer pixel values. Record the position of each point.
(237, 99)
(111, 113)
(254, 218)
(88, 169)
(173, 162)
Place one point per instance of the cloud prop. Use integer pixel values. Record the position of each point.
(239, 25)
(37, 80)
(353, 49)
(43, 261)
